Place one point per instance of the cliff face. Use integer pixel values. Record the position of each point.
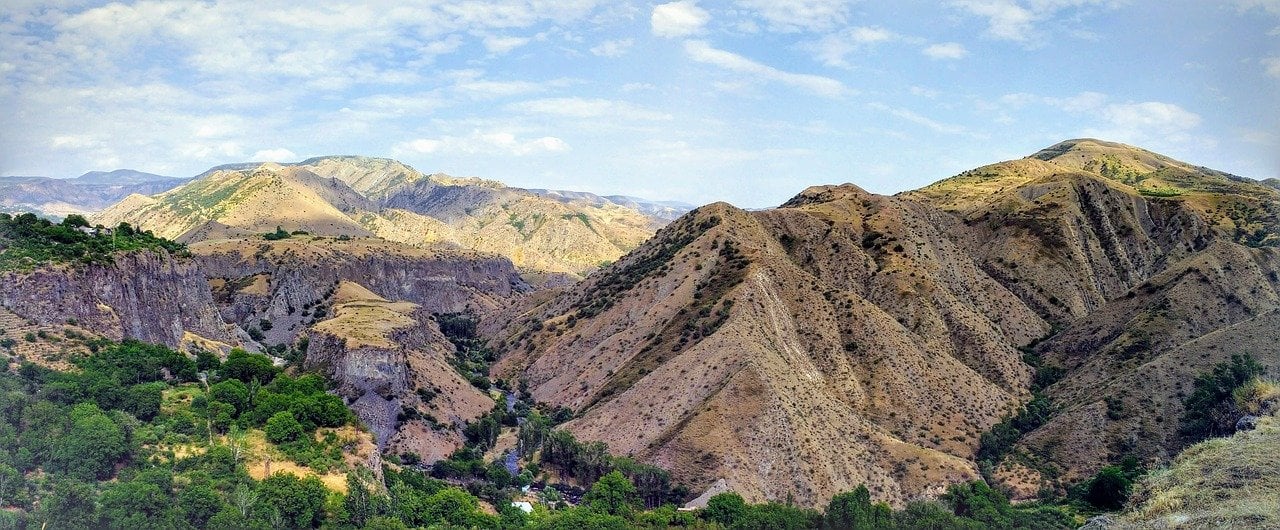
(382, 354)
(290, 283)
(149, 296)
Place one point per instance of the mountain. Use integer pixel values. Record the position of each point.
(88, 193)
(230, 203)
(847, 338)
(562, 233)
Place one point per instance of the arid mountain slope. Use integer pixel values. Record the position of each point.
(253, 201)
(846, 338)
(798, 352)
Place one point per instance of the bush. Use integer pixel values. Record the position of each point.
(1210, 410)
(1109, 489)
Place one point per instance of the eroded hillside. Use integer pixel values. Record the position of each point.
(845, 337)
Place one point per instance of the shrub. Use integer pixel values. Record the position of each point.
(283, 428)
(1210, 410)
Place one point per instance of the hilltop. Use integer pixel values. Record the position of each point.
(88, 193)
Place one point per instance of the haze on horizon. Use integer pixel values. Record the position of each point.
(746, 101)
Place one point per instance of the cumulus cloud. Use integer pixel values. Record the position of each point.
(678, 19)
(1151, 117)
(800, 15)
(612, 48)
(278, 154)
(702, 52)
(483, 143)
(946, 50)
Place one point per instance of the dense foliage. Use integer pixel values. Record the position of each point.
(27, 241)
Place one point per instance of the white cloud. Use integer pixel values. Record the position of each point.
(278, 154)
(800, 15)
(1272, 66)
(1084, 101)
(1016, 20)
(612, 48)
(702, 52)
(1151, 117)
(483, 143)
(946, 50)
(589, 108)
(832, 49)
(501, 45)
(1005, 18)
(678, 19)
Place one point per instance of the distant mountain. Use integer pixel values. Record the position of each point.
(549, 232)
(122, 177)
(88, 193)
(848, 338)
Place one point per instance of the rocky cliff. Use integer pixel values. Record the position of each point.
(150, 296)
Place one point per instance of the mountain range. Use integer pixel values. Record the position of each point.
(561, 234)
(88, 193)
(841, 339)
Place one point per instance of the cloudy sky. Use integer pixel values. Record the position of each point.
(747, 101)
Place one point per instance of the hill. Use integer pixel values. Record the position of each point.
(542, 232)
(848, 338)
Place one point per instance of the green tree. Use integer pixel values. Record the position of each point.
(71, 505)
(452, 506)
(233, 392)
(199, 503)
(283, 428)
(143, 400)
(854, 510)
(613, 494)
(247, 366)
(136, 504)
(92, 446)
(1210, 409)
(299, 501)
(1109, 489)
(727, 509)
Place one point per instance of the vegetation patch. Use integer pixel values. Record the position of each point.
(27, 241)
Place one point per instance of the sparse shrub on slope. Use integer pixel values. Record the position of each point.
(1211, 408)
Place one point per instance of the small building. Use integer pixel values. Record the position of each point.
(523, 506)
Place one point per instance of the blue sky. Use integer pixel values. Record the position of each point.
(747, 101)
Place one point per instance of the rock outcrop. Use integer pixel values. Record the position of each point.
(149, 296)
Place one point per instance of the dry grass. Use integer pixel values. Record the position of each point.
(1258, 396)
(1220, 483)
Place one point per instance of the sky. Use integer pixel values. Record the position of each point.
(746, 101)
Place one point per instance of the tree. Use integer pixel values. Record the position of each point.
(207, 361)
(299, 501)
(1109, 489)
(613, 494)
(136, 504)
(725, 508)
(75, 220)
(233, 392)
(1210, 409)
(247, 366)
(143, 400)
(853, 510)
(452, 506)
(71, 505)
(283, 428)
(92, 446)
(199, 503)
